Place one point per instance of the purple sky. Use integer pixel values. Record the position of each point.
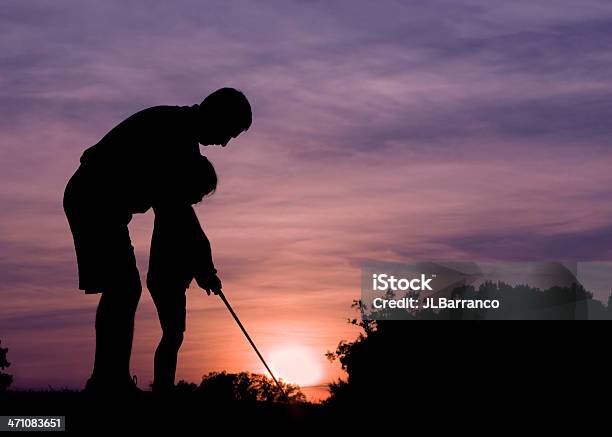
(382, 130)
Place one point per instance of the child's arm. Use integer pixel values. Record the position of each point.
(201, 253)
(180, 247)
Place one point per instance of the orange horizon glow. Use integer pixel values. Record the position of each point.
(296, 364)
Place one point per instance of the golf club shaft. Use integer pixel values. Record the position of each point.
(246, 334)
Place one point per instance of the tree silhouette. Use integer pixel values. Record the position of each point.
(5, 379)
(392, 357)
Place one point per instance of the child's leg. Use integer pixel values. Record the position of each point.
(166, 356)
(170, 303)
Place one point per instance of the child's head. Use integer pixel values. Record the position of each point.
(202, 179)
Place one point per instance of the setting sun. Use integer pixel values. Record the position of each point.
(296, 365)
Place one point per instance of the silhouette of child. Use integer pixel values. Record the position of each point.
(180, 252)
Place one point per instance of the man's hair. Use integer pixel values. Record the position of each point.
(230, 103)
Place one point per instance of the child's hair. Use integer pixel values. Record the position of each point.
(205, 177)
(189, 182)
(198, 179)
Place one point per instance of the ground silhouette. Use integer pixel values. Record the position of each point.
(241, 401)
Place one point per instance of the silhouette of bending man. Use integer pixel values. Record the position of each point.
(150, 160)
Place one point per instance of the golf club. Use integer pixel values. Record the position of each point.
(246, 334)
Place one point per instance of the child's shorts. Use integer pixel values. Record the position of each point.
(171, 304)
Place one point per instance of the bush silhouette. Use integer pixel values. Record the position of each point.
(5, 379)
(243, 386)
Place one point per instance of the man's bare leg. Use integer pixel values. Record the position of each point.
(114, 336)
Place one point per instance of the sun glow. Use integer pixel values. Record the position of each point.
(296, 365)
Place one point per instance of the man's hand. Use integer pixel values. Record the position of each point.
(209, 283)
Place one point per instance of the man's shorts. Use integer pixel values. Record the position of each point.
(104, 251)
(171, 304)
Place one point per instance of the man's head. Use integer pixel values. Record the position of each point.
(224, 115)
